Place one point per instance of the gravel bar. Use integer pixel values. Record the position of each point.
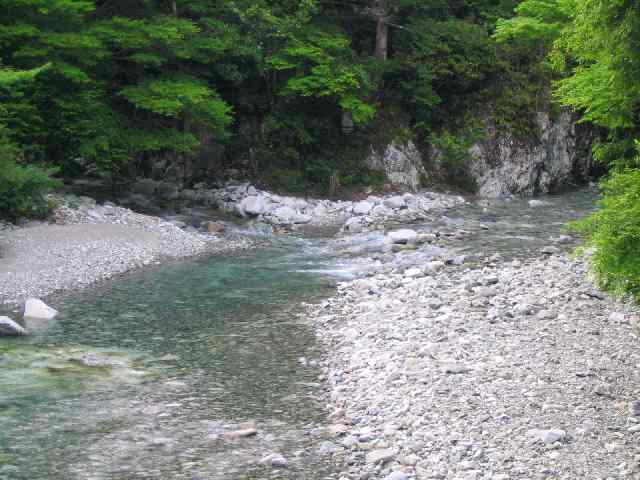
(504, 370)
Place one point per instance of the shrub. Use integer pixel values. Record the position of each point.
(22, 187)
(614, 233)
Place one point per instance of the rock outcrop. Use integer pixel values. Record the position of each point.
(502, 165)
(401, 163)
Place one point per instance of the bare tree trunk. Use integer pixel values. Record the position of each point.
(174, 8)
(382, 36)
(380, 11)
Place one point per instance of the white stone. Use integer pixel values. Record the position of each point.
(547, 436)
(253, 205)
(413, 272)
(36, 309)
(395, 202)
(362, 208)
(403, 236)
(275, 460)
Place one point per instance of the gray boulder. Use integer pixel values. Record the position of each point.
(253, 206)
(10, 328)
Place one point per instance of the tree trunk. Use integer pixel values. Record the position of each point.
(382, 37)
(174, 8)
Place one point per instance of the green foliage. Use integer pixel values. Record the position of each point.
(22, 187)
(614, 233)
(325, 67)
(454, 157)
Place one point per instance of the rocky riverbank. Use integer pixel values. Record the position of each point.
(88, 242)
(503, 370)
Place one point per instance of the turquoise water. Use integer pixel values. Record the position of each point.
(140, 377)
(192, 350)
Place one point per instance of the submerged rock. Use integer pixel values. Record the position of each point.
(36, 309)
(10, 328)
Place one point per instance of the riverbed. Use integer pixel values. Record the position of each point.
(146, 376)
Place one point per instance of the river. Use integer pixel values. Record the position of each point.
(142, 376)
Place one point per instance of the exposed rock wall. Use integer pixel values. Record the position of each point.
(503, 165)
(401, 163)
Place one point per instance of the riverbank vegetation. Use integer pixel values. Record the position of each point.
(292, 94)
(595, 47)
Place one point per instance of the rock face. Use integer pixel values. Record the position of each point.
(36, 309)
(401, 163)
(10, 328)
(503, 165)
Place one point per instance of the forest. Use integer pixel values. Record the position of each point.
(292, 93)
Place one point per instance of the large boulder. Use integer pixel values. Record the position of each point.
(10, 328)
(253, 205)
(36, 309)
(287, 215)
(362, 208)
(401, 163)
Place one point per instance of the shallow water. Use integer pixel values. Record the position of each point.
(198, 347)
(180, 354)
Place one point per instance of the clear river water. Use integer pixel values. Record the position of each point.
(140, 377)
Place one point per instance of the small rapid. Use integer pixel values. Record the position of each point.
(145, 376)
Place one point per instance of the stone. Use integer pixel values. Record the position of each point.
(382, 455)
(413, 273)
(10, 328)
(253, 206)
(242, 433)
(434, 266)
(36, 309)
(634, 408)
(395, 202)
(213, 227)
(403, 236)
(550, 250)
(362, 208)
(287, 215)
(275, 460)
(547, 436)
(397, 475)
(457, 368)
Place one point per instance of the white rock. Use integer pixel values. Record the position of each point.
(402, 236)
(253, 205)
(397, 475)
(275, 460)
(9, 327)
(36, 309)
(547, 436)
(395, 202)
(362, 208)
(413, 272)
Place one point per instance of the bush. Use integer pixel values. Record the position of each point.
(614, 233)
(22, 189)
